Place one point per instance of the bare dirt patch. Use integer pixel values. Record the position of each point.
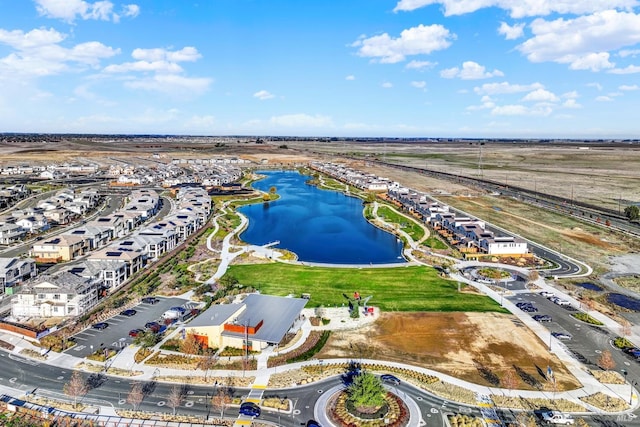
(477, 347)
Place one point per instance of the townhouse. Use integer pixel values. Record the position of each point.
(16, 270)
(61, 295)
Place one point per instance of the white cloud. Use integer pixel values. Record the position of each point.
(486, 103)
(350, 77)
(520, 8)
(420, 40)
(603, 98)
(628, 87)
(598, 86)
(387, 85)
(156, 60)
(186, 54)
(571, 95)
(505, 87)
(571, 103)
(628, 52)
(419, 84)
(631, 69)
(521, 110)
(263, 94)
(301, 120)
(583, 42)
(511, 32)
(470, 71)
(590, 61)
(541, 95)
(418, 65)
(38, 53)
(70, 10)
(172, 84)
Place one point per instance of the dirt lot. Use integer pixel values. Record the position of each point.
(477, 347)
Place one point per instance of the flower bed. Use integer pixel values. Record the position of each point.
(587, 319)
(142, 354)
(608, 377)
(313, 344)
(396, 415)
(606, 402)
(452, 392)
(562, 405)
(463, 420)
(174, 361)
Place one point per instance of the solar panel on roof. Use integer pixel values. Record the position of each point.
(114, 254)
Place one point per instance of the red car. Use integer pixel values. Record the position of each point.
(135, 332)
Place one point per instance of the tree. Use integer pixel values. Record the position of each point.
(191, 345)
(147, 339)
(625, 328)
(272, 190)
(605, 361)
(509, 380)
(221, 398)
(366, 391)
(533, 276)
(175, 398)
(76, 387)
(632, 212)
(136, 395)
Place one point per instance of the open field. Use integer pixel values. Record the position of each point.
(393, 289)
(594, 173)
(477, 347)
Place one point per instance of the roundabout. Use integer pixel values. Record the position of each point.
(331, 401)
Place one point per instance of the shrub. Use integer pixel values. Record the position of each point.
(587, 319)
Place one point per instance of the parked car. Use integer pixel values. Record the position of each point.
(555, 417)
(135, 332)
(547, 294)
(100, 325)
(542, 318)
(561, 301)
(130, 312)
(180, 310)
(313, 423)
(150, 300)
(390, 379)
(154, 326)
(250, 409)
(561, 335)
(633, 352)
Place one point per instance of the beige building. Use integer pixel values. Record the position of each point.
(256, 323)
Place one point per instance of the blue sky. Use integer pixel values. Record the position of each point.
(430, 68)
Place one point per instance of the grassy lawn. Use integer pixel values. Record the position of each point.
(409, 226)
(435, 243)
(393, 289)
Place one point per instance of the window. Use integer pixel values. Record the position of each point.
(56, 296)
(40, 296)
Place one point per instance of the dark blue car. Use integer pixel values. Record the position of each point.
(250, 409)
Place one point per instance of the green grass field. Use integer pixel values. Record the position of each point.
(412, 288)
(409, 226)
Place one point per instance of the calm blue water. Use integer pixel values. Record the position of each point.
(590, 286)
(318, 225)
(624, 301)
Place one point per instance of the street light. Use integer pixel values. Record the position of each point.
(624, 372)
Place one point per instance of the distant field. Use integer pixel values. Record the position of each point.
(393, 289)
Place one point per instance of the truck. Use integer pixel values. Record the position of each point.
(555, 417)
(171, 314)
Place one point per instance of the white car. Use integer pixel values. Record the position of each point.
(555, 417)
(560, 301)
(547, 294)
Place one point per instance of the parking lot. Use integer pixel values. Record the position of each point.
(584, 341)
(116, 335)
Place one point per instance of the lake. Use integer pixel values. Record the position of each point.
(318, 225)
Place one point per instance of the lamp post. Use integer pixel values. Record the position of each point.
(625, 372)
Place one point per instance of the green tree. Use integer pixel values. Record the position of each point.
(632, 212)
(147, 339)
(366, 391)
(272, 190)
